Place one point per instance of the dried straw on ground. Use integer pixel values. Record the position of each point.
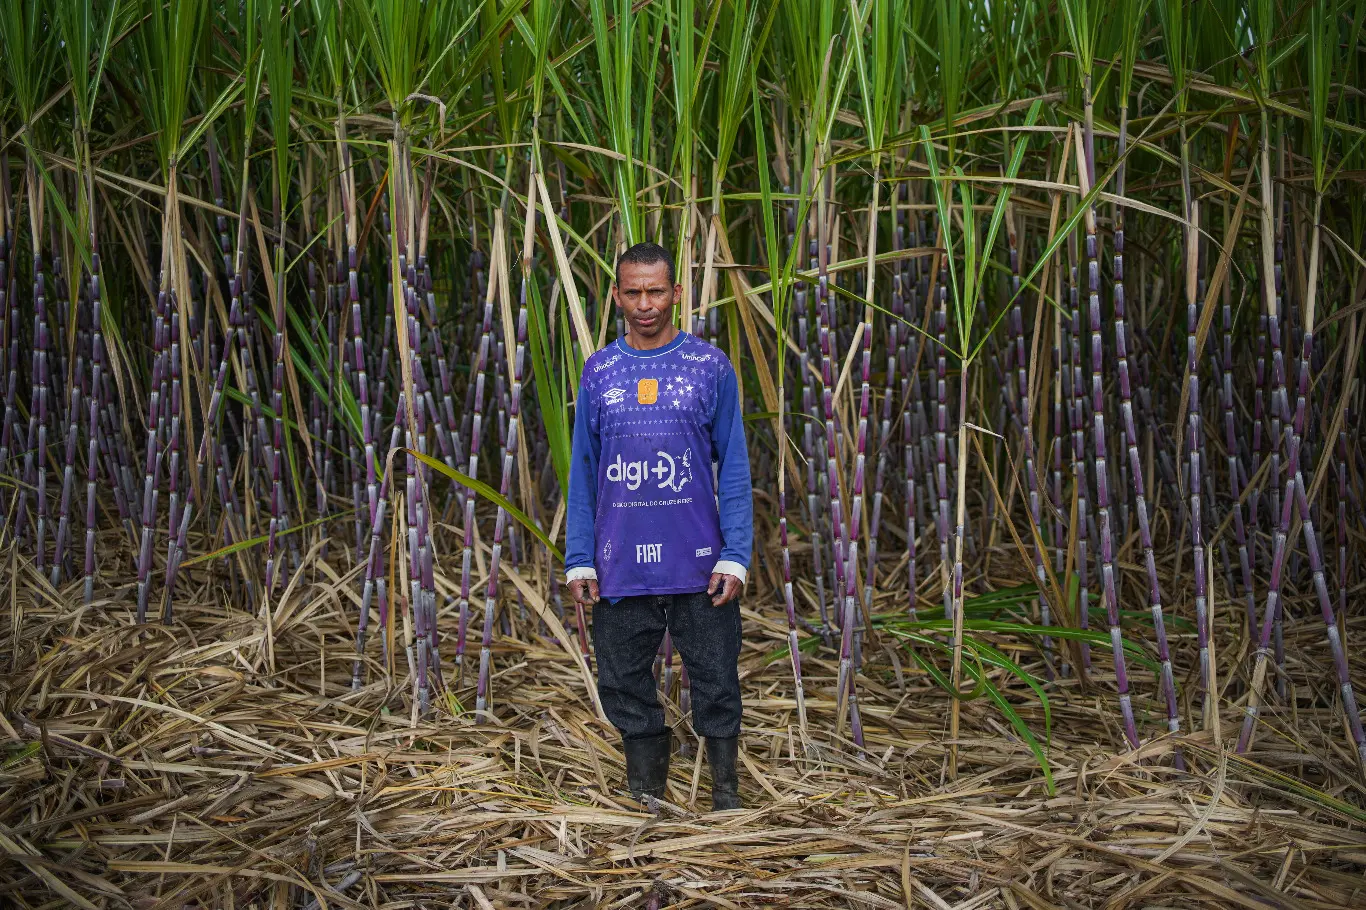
(225, 762)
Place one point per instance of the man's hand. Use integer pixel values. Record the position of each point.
(723, 588)
(584, 591)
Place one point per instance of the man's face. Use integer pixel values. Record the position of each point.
(645, 296)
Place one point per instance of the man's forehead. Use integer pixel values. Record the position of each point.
(638, 274)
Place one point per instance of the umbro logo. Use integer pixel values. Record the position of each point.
(614, 395)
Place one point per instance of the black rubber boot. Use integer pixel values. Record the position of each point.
(725, 785)
(647, 765)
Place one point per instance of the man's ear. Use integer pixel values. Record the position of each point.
(678, 294)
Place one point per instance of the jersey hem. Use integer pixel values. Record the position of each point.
(654, 592)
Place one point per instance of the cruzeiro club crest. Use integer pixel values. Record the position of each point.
(679, 471)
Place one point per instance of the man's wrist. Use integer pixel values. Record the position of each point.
(581, 572)
(729, 567)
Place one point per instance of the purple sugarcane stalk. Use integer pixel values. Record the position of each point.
(909, 272)
(78, 388)
(73, 408)
(1235, 468)
(448, 431)
(1079, 476)
(6, 359)
(1258, 434)
(277, 446)
(1107, 558)
(68, 477)
(1024, 416)
(666, 674)
(318, 303)
(827, 341)
(1330, 624)
(1279, 398)
(850, 635)
(374, 502)
(831, 464)
(479, 286)
(941, 425)
(504, 488)
(1126, 407)
(792, 644)
(476, 408)
(93, 424)
(1296, 501)
(35, 453)
(420, 304)
(400, 307)
(152, 465)
(233, 264)
(415, 482)
(885, 430)
(374, 576)
(11, 433)
(173, 472)
(813, 499)
(232, 527)
(1194, 439)
(1342, 515)
(9, 340)
(1281, 427)
(1060, 441)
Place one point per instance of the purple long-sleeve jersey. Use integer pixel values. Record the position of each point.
(644, 514)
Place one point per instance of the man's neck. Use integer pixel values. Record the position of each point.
(638, 343)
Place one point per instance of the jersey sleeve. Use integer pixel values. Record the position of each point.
(733, 490)
(582, 503)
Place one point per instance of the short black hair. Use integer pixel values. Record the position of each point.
(645, 254)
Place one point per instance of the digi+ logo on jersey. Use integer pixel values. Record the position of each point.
(669, 473)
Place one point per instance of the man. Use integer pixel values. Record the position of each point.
(645, 541)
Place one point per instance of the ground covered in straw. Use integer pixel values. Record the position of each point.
(225, 762)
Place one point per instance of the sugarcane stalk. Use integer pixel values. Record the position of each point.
(941, 425)
(476, 433)
(482, 694)
(1296, 502)
(827, 342)
(849, 631)
(813, 497)
(95, 402)
(1235, 469)
(152, 464)
(35, 448)
(1194, 435)
(884, 453)
(1086, 174)
(1130, 430)
(1024, 416)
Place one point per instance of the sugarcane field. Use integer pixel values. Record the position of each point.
(682, 453)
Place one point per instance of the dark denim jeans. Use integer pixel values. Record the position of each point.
(626, 637)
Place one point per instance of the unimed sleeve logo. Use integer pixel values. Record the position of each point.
(647, 391)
